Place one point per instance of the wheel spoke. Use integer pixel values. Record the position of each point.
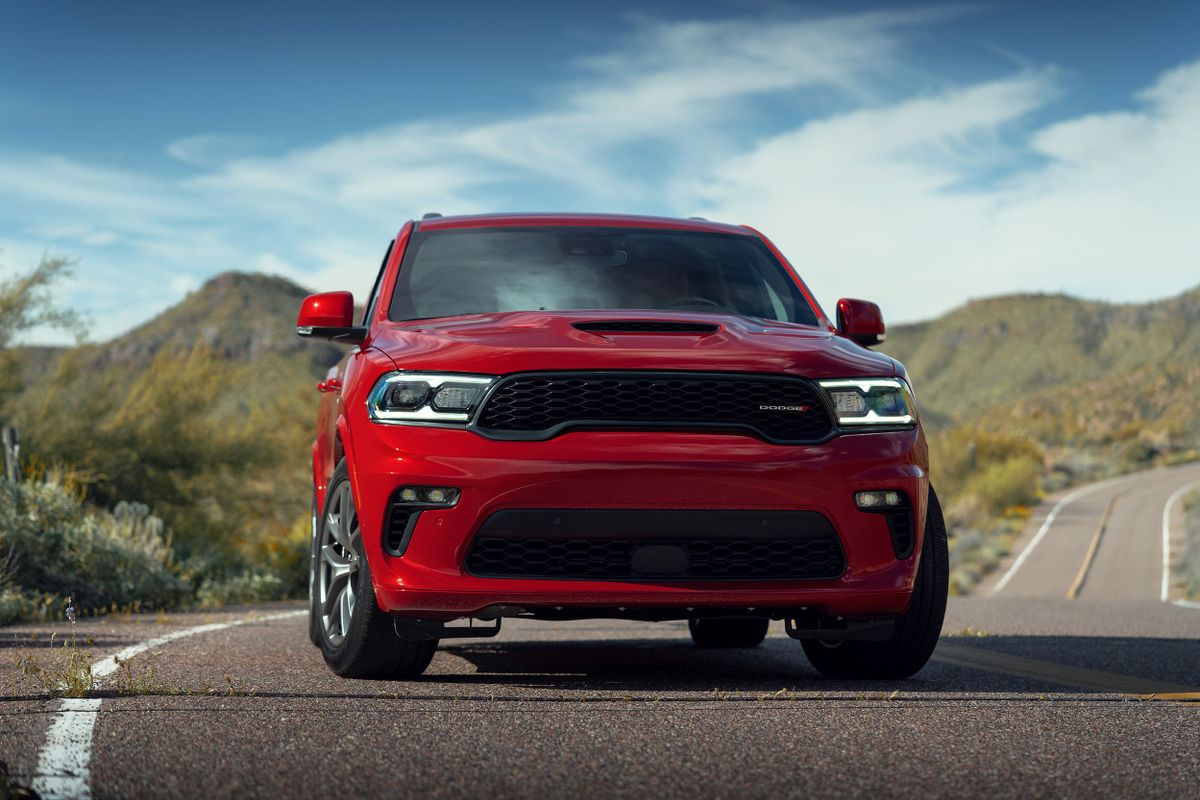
(338, 563)
(350, 516)
(346, 608)
(337, 528)
(333, 594)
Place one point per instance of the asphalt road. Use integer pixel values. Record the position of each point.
(1031, 693)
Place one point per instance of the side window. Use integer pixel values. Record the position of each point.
(374, 296)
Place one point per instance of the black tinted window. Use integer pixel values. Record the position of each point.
(452, 273)
(373, 298)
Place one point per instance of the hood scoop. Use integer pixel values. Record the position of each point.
(644, 326)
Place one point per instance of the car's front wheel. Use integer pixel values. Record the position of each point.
(314, 616)
(356, 637)
(916, 631)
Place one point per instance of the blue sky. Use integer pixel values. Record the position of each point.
(915, 154)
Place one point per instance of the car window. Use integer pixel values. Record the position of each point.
(369, 310)
(476, 271)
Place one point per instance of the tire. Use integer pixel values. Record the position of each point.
(314, 618)
(917, 630)
(728, 631)
(357, 639)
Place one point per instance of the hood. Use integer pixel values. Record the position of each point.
(527, 341)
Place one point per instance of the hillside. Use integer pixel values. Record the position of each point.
(1099, 388)
(241, 318)
(204, 413)
(1004, 350)
(1031, 393)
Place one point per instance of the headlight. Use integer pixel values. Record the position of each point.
(871, 402)
(400, 397)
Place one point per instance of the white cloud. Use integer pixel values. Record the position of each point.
(868, 203)
(213, 149)
(917, 197)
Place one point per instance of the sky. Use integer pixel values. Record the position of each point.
(917, 155)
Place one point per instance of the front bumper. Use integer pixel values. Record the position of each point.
(633, 470)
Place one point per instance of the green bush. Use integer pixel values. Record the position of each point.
(60, 547)
(21, 606)
(1008, 483)
(242, 589)
(1001, 470)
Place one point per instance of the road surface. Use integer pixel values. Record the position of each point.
(1031, 693)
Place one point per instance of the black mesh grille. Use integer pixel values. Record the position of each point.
(645, 326)
(612, 559)
(779, 409)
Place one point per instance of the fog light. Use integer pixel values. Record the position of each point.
(428, 495)
(878, 500)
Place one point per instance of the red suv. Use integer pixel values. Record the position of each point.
(577, 416)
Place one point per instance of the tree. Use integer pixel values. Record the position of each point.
(26, 302)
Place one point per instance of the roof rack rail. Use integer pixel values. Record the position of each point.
(700, 219)
(430, 215)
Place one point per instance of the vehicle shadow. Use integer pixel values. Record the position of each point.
(675, 665)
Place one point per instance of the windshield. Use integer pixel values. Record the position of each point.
(479, 271)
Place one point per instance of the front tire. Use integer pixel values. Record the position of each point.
(917, 630)
(356, 637)
(718, 632)
(314, 617)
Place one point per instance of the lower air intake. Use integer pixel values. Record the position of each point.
(657, 544)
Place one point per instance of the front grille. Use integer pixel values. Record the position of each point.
(613, 559)
(537, 406)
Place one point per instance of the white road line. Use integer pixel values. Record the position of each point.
(63, 769)
(1024, 554)
(1166, 545)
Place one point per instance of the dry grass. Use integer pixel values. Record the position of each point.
(72, 677)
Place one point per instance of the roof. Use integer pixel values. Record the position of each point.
(578, 220)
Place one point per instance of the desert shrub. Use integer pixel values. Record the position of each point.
(62, 547)
(17, 605)
(247, 587)
(285, 555)
(1000, 471)
(1008, 483)
(228, 471)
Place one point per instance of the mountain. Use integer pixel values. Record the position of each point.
(1005, 350)
(204, 413)
(1099, 388)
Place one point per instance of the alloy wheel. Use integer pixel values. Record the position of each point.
(337, 564)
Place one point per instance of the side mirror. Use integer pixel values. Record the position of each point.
(860, 321)
(330, 315)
